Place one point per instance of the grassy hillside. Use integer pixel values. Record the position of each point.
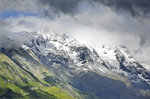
(20, 79)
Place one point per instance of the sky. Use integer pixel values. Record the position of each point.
(99, 22)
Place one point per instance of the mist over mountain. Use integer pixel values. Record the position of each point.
(74, 49)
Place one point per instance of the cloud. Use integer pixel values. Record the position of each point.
(140, 8)
(95, 25)
(65, 6)
(12, 40)
(134, 7)
(19, 5)
(113, 22)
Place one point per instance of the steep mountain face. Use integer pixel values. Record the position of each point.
(22, 76)
(107, 73)
(121, 62)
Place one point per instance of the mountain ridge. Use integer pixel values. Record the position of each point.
(69, 57)
(79, 70)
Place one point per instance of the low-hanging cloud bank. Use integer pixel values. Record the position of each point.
(138, 9)
(10, 39)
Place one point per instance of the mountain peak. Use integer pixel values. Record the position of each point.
(82, 66)
(66, 51)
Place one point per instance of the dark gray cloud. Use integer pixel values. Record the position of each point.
(134, 7)
(65, 6)
(50, 7)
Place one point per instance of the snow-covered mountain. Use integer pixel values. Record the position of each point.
(70, 59)
(121, 62)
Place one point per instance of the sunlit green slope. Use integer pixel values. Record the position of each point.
(22, 76)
